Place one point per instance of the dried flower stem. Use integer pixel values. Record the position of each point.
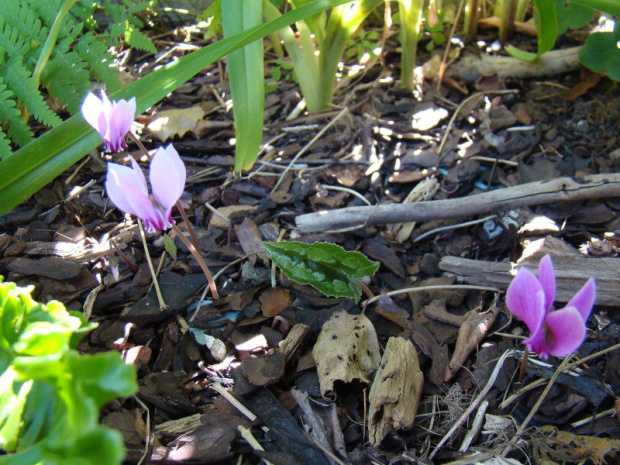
(523, 368)
(160, 298)
(193, 248)
(198, 257)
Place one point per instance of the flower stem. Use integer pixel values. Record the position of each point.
(160, 298)
(178, 204)
(198, 257)
(523, 369)
(139, 144)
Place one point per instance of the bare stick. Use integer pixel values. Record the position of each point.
(198, 257)
(160, 298)
(532, 193)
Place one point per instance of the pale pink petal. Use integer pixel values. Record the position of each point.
(167, 176)
(546, 276)
(122, 114)
(583, 301)
(526, 299)
(127, 190)
(139, 176)
(92, 111)
(566, 331)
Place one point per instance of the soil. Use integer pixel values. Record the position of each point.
(378, 143)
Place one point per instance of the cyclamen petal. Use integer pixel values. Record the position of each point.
(567, 330)
(546, 276)
(126, 190)
(526, 299)
(583, 301)
(111, 119)
(167, 175)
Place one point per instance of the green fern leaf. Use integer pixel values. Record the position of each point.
(11, 41)
(26, 89)
(11, 118)
(138, 40)
(23, 19)
(5, 147)
(67, 76)
(94, 52)
(47, 10)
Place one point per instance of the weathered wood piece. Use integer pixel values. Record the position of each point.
(533, 193)
(571, 270)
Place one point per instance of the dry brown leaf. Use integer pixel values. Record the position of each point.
(347, 349)
(396, 390)
(550, 444)
(274, 301)
(250, 239)
(474, 328)
(170, 123)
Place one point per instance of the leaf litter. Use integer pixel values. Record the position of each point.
(272, 349)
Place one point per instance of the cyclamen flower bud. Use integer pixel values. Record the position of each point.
(128, 190)
(111, 119)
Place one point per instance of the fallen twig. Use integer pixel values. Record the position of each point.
(533, 193)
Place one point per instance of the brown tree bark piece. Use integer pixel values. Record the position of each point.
(571, 270)
(532, 193)
(395, 393)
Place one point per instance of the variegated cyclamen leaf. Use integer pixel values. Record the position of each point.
(326, 267)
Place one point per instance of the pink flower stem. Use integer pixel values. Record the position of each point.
(523, 369)
(160, 297)
(198, 257)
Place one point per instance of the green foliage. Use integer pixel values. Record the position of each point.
(50, 48)
(601, 54)
(365, 42)
(547, 25)
(50, 395)
(39, 162)
(435, 32)
(247, 80)
(326, 267)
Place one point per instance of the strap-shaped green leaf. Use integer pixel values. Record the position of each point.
(39, 162)
(247, 80)
(326, 267)
(547, 27)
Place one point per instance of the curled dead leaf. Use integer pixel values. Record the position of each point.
(347, 349)
(472, 331)
(395, 393)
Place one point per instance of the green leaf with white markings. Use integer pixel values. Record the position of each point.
(326, 267)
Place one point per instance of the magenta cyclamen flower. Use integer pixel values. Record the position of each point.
(111, 119)
(552, 332)
(128, 190)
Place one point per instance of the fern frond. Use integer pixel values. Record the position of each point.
(47, 10)
(67, 76)
(137, 39)
(5, 147)
(25, 88)
(25, 21)
(11, 41)
(94, 53)
(13, 122)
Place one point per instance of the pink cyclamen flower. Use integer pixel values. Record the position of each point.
(552, 332)
(128, 190)
(111, 119)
